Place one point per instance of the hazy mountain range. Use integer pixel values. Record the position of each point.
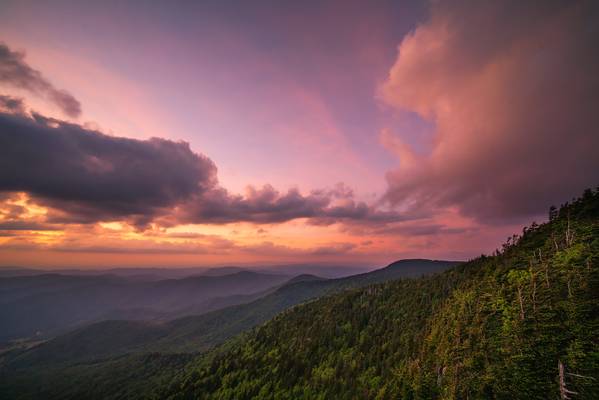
(198, 333)
(154, 273)
(40, 304)
(43, 305)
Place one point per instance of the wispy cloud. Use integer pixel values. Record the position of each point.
(15, 72)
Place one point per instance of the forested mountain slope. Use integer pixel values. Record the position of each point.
(495, 327)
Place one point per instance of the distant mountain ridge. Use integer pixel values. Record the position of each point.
(54, 303)
(201, 332)
(157, 273)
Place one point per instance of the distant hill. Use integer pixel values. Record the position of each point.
(136, 273)
(305, 278)
(217, 271)
(201, 332)
(156, 273)
(48, 304)
(6, 272)
(322, 270)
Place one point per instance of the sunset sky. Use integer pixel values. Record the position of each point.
(264, 132)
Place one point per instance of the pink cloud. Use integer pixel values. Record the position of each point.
(513, 92)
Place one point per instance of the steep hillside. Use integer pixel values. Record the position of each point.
(496, 327)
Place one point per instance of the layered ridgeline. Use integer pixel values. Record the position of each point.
(122, 357)
(48, 304)
(495, 327)
(41, 304)
(198, 333)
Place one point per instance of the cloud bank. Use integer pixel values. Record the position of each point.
(15, 72)
(513, 90)
(267, 205)
(85, 176)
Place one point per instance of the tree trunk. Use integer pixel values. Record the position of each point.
(521, 303)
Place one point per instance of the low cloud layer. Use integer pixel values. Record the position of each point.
(85, 176)
(513, 91)
(268, 205)
(16, 73)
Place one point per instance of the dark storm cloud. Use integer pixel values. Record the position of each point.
(15, 72)
(85, 176)
(91, 176)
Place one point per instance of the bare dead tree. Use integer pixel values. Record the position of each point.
(533, 295)
(563, 390)
(569, 232)
(546, 267)
(572, 235)
(521, 302)
(569, 283)
(580, 376)
(440, 373)
(519, 278)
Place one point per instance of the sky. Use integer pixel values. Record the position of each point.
(222, 132)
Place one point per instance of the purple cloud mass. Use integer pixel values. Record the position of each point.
(92, 176)
(89, 176)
